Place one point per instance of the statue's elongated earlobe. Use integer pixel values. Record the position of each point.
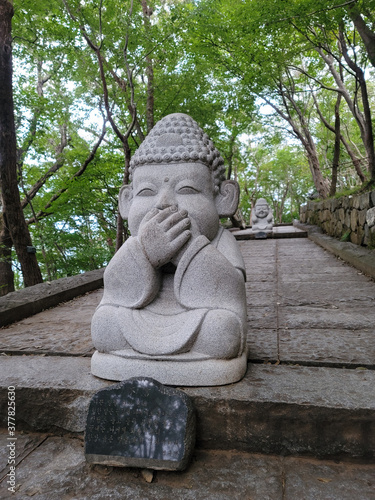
(228, 198)
(125, 200)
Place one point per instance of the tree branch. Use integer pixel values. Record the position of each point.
(42, 213)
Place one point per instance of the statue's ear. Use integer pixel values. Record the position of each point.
(227, 199)
(125, 200)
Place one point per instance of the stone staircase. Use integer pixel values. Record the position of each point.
(309, 390)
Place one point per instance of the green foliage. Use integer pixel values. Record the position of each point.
(347, 192)
(245, 70)
(346, 236)
(270, 171)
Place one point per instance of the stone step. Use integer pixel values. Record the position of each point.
(34, 299)
(278, 232)
(276, 409)
(54, 468)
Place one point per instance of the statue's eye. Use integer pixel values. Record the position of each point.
(187, 190)
(146, 192)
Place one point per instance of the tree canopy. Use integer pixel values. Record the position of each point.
(284, 89)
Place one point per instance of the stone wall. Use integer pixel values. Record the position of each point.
(350, 217)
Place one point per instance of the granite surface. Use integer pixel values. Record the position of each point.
(140, 423)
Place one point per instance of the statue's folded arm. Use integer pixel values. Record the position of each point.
(130, 280)
(206, 279)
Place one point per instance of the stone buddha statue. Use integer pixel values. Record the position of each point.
(174, 302)
(262, 217)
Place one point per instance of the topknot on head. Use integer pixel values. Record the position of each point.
(261, 201)
(177, 138)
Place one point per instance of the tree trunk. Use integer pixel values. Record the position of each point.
(6, 272)
(282, 203)
(356, 161)
(336, 153)
(320, 182)
(368, 136)
(122, 234)
(367, 35)
(301, 130)
(230, 156)
(363, 119)
(150, 94)
(8, 155)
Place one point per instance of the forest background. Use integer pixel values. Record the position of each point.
(284, 88)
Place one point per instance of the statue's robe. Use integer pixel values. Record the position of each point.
(265, 224)
(161, 311)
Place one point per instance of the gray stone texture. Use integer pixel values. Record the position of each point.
(344, 346)
(370, 217)
(29, 301)
(292, 284)
(58, 331)
(277, 232)
(364, 201)
(56, 469)
(174, 302)
(140, 423)
(349, 217)
(261, 217)
(361, 258)
(54, 394)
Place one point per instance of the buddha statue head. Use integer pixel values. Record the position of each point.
(262, 209)
(178, 165)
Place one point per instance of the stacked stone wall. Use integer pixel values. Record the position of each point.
(351, 217)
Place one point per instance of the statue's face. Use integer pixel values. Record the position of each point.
(189, 186)
(261, 211)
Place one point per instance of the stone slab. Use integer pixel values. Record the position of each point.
(266, 265)
(259, 287)
(140, 423)
(262, 344)
(312, 292)
(297, 248)
(26, 443)
(318, 265)
(322, 480)
(28, 301)
(316, 411)
(255, 297)
(262, 318)
(305, 276)
(328, 317)
(328, 347)
(261, 275)
(256, 248)
(319, 268)
(260, 298)
(63, 330)
(276, 233)
(359, 257)
(57, 470)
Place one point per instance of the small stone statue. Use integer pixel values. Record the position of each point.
(174, 302)
(262, 217)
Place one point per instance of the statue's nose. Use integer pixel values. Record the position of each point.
(166, 199)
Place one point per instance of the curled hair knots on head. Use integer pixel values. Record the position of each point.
(178, 138)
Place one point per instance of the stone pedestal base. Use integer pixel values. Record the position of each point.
(180, 370)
